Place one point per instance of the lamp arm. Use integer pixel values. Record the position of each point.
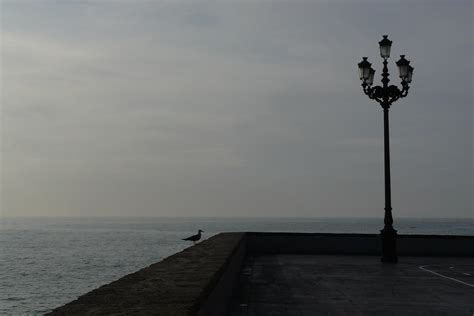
(405, 88)
(393, 99)
(395, 93)
(367, 90)
(380, 101)
(372, 92)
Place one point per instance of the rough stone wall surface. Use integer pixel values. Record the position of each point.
(357, 244)
(198, 279)
(177, 285)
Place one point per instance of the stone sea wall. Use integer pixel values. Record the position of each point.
(200, 279)
(182, 284)
(358, 244)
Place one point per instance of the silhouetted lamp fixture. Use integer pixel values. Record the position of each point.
(385, 95)
(410, 74)
(364, 69)
(370, 80)
(403, 67)
(385, 45)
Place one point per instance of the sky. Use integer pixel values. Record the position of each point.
(232, 108)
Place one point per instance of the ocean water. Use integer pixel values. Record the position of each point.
(46, 262)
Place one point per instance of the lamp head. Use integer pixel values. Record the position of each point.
(364, 69)
(385, 45)
(403, 65)
(370, 80)
(410, 74)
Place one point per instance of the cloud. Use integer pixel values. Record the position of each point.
(359, 142)
(231, 108)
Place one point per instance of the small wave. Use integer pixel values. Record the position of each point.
(15, 298)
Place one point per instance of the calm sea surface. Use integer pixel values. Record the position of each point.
(46, 262)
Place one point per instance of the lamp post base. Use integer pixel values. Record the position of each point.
(389, 245)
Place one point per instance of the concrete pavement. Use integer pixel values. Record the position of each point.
(286, 284)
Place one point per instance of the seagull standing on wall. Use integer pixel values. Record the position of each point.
(194, 238)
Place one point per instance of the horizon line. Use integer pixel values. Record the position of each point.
(225, 217)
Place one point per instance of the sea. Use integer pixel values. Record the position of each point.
(47, 262)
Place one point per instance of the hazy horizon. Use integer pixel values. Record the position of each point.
(380, 217)
(232, 109)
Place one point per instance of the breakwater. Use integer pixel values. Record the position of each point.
(200, 280)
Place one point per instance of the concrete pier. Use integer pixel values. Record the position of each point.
(295, 274)
(283, 284)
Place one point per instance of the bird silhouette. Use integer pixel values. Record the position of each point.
(194, 238)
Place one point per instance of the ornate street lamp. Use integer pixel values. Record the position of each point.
(385, 95)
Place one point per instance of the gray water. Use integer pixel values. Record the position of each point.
(46, 262)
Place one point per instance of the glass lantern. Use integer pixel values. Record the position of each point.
(370, 80)
(410, 74)
(403, 65)
(385, 45)
(364, 69)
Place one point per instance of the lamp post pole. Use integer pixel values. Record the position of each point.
(385, 95)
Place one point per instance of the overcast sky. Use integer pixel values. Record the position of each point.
(232, 108)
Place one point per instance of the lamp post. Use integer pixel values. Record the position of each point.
(385, 95)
